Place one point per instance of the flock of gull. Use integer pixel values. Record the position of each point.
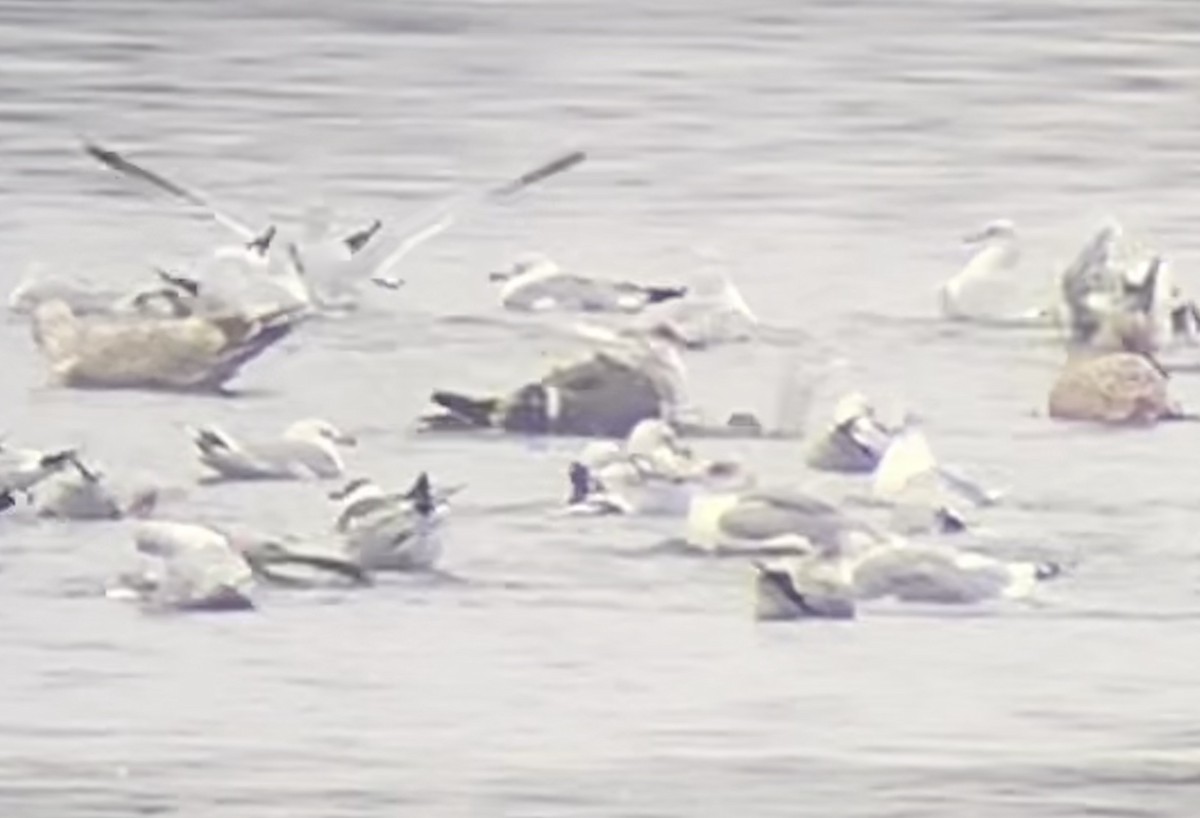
(1115, 307)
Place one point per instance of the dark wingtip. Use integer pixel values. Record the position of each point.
(262, 243)
(421, 494)
(346, 490)
(949, 522)
(476, 411)
(359, 239)
(581, 482)
(657, 295)
(57, 459)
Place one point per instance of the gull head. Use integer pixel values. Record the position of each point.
(850, 407)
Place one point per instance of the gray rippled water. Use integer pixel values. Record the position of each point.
(830, 154)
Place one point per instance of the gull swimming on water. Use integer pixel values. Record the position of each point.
(1116, 278)
(187, 354)
(307, 449)
(1125, 386)
(653, 473)
(537, 284)
(207, 569)
(602, 395)
(713, 312)
(828, 585)
(83, 493)
(200, 570)
(979, 288)
(22, 469)
(392, 532)
(921, 490)
(781, 594)
(854, 442)
(771, 520)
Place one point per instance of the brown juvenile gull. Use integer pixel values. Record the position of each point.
(194, 353)
(1116, 380)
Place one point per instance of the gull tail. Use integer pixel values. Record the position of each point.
(656, 295)
(479, 412)
(210, 441)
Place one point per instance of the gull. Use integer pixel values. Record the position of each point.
(653, 473)
(781, 594)
(935, 573)
(921, 490)
(205, 568)
(829, 585)
(22, 469)
(1119, 388)
(771, 520)
(199, 571)
(307, 449)
(854, 442)
(184, 354)
(83, 493)
(603, 394)
(713, 312)
(537, 284)
(977, 289)
(1115, 279)
(392, 532)
(338, 261)
(327, 254)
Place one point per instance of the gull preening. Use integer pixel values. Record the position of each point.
(1117, 279)
(308, 449)
(205, 568)
(197, 570)
(184, 354)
